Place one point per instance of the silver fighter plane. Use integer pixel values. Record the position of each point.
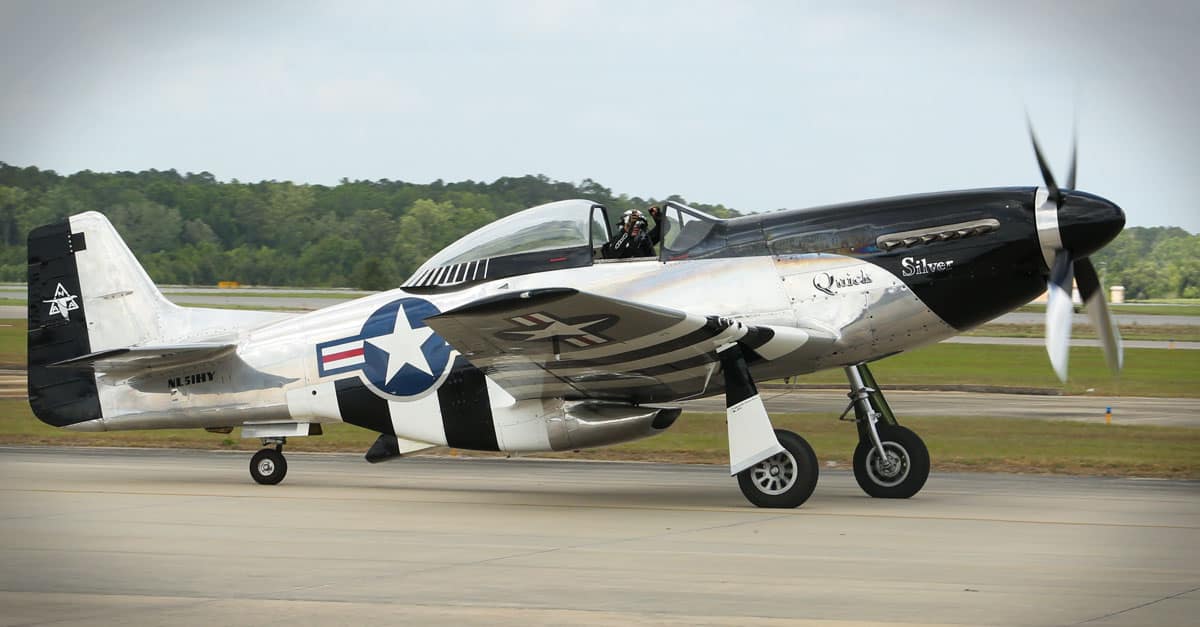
(521, 337)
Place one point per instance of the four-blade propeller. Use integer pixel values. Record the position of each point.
(1065, 270)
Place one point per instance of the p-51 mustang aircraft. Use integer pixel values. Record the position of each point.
(520, 337)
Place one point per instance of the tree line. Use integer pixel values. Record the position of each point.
(193, 229)
(1152, 262)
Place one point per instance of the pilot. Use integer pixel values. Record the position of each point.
(637, 220)
(640, 244)
(630, 240)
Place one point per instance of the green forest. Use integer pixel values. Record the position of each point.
(193, 229)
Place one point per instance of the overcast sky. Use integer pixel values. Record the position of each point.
(756, 105)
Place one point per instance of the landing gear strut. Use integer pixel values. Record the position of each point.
(890, 461)
(774, 467)
(268, 466)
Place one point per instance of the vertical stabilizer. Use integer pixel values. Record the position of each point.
(123, 305)
(87, 293)
(58, 329)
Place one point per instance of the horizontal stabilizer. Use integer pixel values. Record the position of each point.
(147, 357)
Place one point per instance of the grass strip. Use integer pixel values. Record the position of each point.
(1165, 333)
(1147, 309)
(13, 335)
(1147, 372)
(973, 444)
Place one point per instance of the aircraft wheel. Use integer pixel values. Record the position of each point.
(786, 479)
(902, 474)
(268, 466)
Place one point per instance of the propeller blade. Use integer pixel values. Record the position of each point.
(1058, 314)
(1046, 175)
(1092, 293)
(1074, 161)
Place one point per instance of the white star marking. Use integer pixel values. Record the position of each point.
(558, 328)
(62, 302)
(403, 346)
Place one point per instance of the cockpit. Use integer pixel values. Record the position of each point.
(555, 236)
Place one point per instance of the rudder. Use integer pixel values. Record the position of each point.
(58, 329)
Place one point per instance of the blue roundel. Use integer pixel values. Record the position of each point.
(402, 356)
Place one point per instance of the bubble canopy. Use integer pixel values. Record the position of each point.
(555, 235)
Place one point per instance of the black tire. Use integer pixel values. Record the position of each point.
(907, 478)
(268, 466)
(767, 483)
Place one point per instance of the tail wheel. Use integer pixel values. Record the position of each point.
(785, 479)
(268, 466)
(899, 474)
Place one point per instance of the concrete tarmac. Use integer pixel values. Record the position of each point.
(117, 536)
(1127, 410)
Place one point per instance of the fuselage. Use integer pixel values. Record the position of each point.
(881, 277)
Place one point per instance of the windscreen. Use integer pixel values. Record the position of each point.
(553, 226)
(685, 229)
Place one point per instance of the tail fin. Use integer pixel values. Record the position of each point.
(87, 293)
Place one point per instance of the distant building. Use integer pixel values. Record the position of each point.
(1116, 295)
(1075, 298)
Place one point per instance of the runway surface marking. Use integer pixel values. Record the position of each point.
(1138, 607)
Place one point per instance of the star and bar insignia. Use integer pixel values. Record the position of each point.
(581, 331)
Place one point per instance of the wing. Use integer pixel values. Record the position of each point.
(561, 342)
(147, 357)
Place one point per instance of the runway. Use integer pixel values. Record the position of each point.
(1128, 410)
(103, 536)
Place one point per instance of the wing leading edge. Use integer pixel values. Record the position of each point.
(561, 342)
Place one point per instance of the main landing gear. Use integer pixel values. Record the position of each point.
(774, 467)
(268, 466)
(890, 461)
(785, 479)
(777, 468)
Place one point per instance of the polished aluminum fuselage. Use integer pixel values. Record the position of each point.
(273, 375)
